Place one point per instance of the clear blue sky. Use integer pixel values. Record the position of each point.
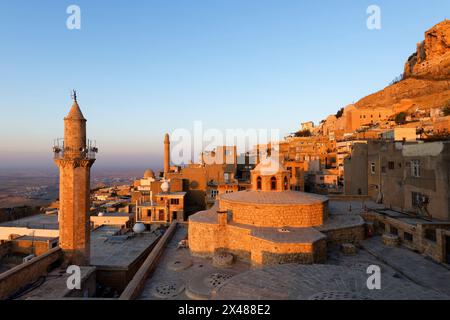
(143, 68)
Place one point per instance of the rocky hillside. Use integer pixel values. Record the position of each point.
(432, 58)
(426, 81)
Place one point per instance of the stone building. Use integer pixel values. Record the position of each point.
(268, 224)
(406, 176)
(411, 176)
(344, 150)
(167, 206)
(355, 170)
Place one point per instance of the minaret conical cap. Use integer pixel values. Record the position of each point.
(75, 112)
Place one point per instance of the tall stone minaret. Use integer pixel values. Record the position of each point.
(74, 159)
(166, 155)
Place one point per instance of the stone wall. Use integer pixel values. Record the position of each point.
(7, 232)
(432, 249)
(206, 239)
(28, 246)
(317, 253)
(137, 283)
(352, 234)
(277, 216)
(18, 277)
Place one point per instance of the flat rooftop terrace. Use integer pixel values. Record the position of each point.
(10, 261)
(118, 251)
(39, 221)
(53, 285)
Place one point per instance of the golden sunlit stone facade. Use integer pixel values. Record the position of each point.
(266, 225)
(74, 161)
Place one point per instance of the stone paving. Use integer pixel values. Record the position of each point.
(343, 277)
(182, 276)
(414, 266)
(318, 282)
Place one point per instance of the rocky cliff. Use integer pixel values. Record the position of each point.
(426, 81)
(432, 58)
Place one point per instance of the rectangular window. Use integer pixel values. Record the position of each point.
(415, 168)
(372, 167)
(418, 199)
(214, 193)
(408, 237)
(391, 165)
(174, 201)
(430, 234)
(394, 230)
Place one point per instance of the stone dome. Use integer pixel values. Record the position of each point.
(268, 167)
(149, 174)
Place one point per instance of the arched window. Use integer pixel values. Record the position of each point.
(273, 183)
(258, 183)
(286, 187)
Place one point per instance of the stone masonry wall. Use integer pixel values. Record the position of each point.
(206, 239)
(343, 235)
(277, 216)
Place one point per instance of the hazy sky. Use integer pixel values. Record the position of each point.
(143, 68)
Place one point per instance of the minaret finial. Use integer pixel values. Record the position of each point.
(74, 95)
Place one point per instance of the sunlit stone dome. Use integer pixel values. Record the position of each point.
(149, 174)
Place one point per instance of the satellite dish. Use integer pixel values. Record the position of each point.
(139, 227)
(165, 186)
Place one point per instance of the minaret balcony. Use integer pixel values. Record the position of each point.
(87, 152)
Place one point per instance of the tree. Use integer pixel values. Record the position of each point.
(400, 118)
(340, 113)
(446, 110)
(303, 133)
(397, 79)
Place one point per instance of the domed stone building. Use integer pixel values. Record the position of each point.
(149, 174)
(270, 175)
(268, 224)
